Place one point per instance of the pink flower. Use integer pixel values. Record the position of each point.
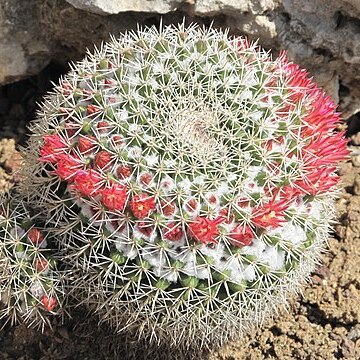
(289, 192)
(88, 182)
(327, 150)
(204, 229)
(114, 197)
(67, 167)
(269, 215)
(318, 180)
(173, 231)
(241, 235)
(142, 205)
(298, 81)
(320, 157)
(53, 147)
(321, 117)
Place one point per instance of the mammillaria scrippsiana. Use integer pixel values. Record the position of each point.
(188, 178)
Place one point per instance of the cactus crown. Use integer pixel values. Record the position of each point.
(189, 177)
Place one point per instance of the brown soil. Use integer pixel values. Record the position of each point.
(321, 324)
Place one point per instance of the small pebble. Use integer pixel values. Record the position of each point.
(354, 333)
(356, 160)
(356, 139)
(348, 349)
(357, 185)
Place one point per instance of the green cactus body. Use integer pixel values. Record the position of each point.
(190, 177)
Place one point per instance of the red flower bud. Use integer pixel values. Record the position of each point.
(227, 215)
(145, 179)
(35, 236)
(243, 202)
(241, 235)
(117, 140)
(167, 207)
(92, 109)
(123, 172)
(103, 160)
(86, 143)
(103, 127)
(109, 81)
(48, 302)
(41, 264)
(192, 205)
(145, 228)
(173, 232)
(67, 88)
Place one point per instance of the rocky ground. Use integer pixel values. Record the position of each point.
(323, 323)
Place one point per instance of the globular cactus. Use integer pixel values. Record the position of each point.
(31, 287)
(189, 177)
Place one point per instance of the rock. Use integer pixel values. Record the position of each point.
(23, 50)
(214, 7)
(357, 185)
(354, 333)
(348, 349)
(319, 32)
(356, 139)
(355, 159)
(106, 7)
(321, 35)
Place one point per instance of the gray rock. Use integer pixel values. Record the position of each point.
(324, 36)
(321, 35)
(106, 7)
(23, 51)
(213, 7)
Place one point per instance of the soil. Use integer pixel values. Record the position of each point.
(322, 323)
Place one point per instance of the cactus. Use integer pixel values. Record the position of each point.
(31, 287)
(189, 177)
